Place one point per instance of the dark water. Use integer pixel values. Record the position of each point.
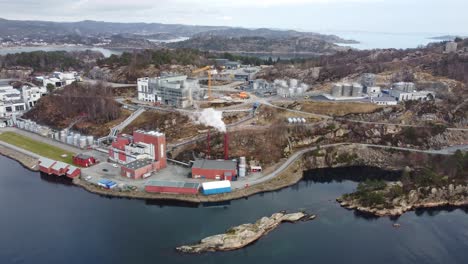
(43, 220)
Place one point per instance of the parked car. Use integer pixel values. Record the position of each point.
(88, 178)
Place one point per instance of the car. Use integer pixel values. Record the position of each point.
(105, 170)
(88, 178)
(115, 165)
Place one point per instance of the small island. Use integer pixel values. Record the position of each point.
(243, 235)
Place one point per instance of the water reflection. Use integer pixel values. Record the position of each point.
(61, 180)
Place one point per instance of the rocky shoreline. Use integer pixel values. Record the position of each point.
(243, 235)
(424, 197)
(26, 161)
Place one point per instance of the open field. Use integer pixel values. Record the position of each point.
(37, 147)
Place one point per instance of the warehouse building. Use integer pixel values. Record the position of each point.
(58, 168)
(214, 169)
(217, 187)
(406, 91)
(172, 187)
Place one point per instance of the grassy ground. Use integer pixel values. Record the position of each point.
(37, 147)
(335, 108)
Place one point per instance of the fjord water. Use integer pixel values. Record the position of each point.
(46, 220)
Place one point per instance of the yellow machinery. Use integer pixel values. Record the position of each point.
(209, 72)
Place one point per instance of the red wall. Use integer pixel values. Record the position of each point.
(166, 189)
(45, 170)
(211, 174)
(156, 141)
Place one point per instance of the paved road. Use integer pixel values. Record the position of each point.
(297, 155)
(352, 120)
(114, 85)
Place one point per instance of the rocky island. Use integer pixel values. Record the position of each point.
(243, 235)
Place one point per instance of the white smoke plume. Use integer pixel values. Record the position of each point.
(210, 117)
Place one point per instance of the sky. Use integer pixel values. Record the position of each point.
(392, 16)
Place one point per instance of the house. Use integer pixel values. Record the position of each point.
(84, 160)
(45, 165)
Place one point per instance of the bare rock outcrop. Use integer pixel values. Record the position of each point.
(243, 235)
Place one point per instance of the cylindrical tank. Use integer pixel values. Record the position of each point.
(304, 120)
(347, 90)
(82, 142)
(291, 91)
(357, 90)
(63, 136)
(337, 90)
(57, 135)
(290, 120)
(90, 140)
(242, 161)
(293, 83)
(76, 139)
(242, 170)
(69, 140)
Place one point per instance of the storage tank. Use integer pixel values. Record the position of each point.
(347, 90)
(90, 140)
(242, 170)
(357, 90)
(290, 120)
(69, 140)
(293, 83)
(242, 161)
(304, 120)
(82, 142)
(76, 139)
(63, 136)
(57, 135)
(337, 90)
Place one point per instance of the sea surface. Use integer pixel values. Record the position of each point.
(383, 40)
(47, 220)
(12, 50)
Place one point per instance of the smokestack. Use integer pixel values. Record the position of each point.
(208, 147)
(226, 146)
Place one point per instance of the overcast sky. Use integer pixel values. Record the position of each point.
(428, 16)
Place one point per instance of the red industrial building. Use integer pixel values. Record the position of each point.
(140, 154)
(58, 168)
(84, 160)
(214, 169)
(172, 187)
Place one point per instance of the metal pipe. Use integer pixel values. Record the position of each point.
(226, 146)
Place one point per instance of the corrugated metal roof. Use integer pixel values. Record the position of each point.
(59, 165)
(215, 164)
(173, 184)
(72, 169)
(45, 162)
(216, 185)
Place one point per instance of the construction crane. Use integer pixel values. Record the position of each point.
(209, 71)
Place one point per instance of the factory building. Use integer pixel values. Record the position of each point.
(173, 90)
(406, 91)
(262, 88)
(214, 169)
(140, 154)
(59, 79)
(218, 187)
(172, 187)
(385, 100)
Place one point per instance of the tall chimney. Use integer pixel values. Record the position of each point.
(226, 146)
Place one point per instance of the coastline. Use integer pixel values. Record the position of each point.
(290, 176)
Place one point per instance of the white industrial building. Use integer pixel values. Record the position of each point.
(173, 90)
(384, 100)
(451, 47)
(406, 91)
